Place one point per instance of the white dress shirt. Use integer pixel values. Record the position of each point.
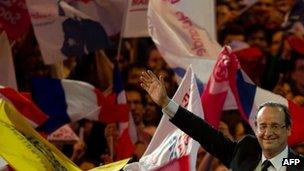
(276, 161)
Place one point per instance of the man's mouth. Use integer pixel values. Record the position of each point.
(269, 141)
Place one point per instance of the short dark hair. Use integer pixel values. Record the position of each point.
(281, 107)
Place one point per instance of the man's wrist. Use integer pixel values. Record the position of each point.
(170, 109)
(165, 102)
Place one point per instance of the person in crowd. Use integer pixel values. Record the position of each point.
(136, 102)
(231, 33)
(264, 151)
(291, 85)
(155, 61)
(152, 115)
(170, 80)
(224, 15)
(134, 71)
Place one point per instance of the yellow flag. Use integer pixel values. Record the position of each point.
(116, 166)
(24, 149)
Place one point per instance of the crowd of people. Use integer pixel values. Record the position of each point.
(270, 50)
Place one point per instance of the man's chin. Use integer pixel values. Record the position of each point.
(268, 144)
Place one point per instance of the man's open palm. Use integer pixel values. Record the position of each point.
(155, 88)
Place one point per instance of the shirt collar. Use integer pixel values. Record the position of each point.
(278, 159)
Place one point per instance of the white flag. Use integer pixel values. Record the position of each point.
(183, 28)
(135, 22)
(48, 29)
(169, 142)
(108, 13)
(7, 69)
(64, 31)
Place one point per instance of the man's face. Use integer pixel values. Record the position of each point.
(271, 130)
(134, 74)
(155, 60)
(137, 108)
(263, 6)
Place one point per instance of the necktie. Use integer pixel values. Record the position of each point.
(265, 165)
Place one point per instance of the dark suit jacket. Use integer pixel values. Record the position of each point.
(239, 156)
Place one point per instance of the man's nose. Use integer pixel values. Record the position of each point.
(268, 131)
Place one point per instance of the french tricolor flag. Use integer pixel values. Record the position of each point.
(65, 101)
(215, 96)
(229, 87)
(127, 130)
(249, 97)
(28, 109)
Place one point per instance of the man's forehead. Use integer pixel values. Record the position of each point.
(270, 112)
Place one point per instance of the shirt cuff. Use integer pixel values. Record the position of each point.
(170, 109)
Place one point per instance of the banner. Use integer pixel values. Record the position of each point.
(116, 166)
(63, 31)
(25, 148)
(182, 28)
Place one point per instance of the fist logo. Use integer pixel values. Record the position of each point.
(221, 70)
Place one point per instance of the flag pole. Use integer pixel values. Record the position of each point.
(111, 148)
(122, 30)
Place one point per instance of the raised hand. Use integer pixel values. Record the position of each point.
(155, 88)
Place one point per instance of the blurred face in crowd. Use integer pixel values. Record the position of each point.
(239, 131)
(223, 15)
(134, 100)
(111, 131)
(233, 37)
(122, 63)
(134, 74)
(164, 73)
(140, 148)
(155, 60)
(283, 5)
(298, 75)
(271, 130)
(263, 6)
(258, 39)
(151, 115)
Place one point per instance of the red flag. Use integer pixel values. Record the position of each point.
(180, 164)
(124, 151)
(14, 18)
(297, 130)
(24, 106)
(112, 112)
